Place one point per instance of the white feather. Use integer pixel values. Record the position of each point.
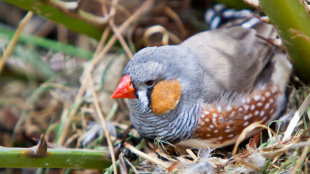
(143, 98)
(283, 70)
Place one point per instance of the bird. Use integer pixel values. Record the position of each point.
(204, 91)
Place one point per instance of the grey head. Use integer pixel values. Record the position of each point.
(153, 65)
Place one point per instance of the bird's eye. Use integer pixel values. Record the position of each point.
(149, 83)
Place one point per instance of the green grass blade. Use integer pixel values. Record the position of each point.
(46, 43)
(60, 12)
(285, 16)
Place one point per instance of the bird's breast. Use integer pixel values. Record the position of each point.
(173, 126)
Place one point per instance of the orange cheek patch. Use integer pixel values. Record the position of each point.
(165, 96)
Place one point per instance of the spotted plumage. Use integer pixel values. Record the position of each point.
(206, 90)
(223, 123)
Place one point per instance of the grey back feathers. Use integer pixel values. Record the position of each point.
(233, 56)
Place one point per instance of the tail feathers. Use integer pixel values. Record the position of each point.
(265, 30)
(277, 71)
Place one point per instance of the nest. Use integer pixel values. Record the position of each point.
(71, 105)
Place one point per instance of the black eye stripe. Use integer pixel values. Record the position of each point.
(148, 94)
(149, 83)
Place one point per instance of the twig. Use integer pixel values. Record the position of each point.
(121, 39)
(113, 9)
(73, 137)
(102, 40)
(132, 166)
(300, 159)
(104, 7)
(118, 7)
(145, 156)
(177, 20)
(122, 163)
(116, 31)
(101, 117)
(50, 129)
(56, 96)
(296, 118)
(160, 29)
(12, 43)
(299, 34)
(190, 152)
(161, 154)
(143, 9)
(248, 129)
(77, 103)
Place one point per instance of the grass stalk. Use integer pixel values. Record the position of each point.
(46, 43)
(56, 158)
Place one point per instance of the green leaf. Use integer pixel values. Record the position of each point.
(290, 17)
(63, 13)
(237, 4)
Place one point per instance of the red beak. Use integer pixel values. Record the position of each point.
(124, 89)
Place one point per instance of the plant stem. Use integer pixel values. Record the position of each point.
(56, 158)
